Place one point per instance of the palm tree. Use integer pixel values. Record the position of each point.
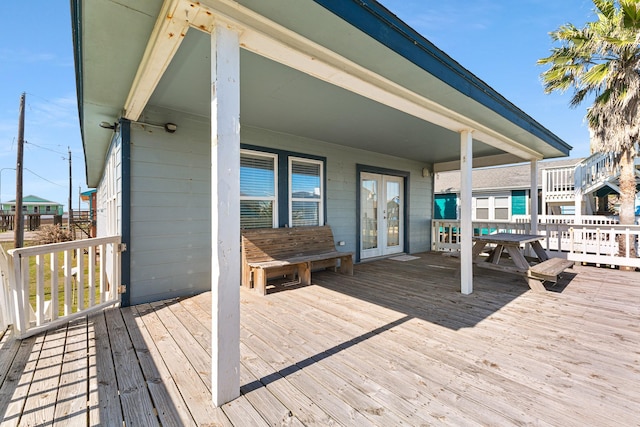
(602, 62)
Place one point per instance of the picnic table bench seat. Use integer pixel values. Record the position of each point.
(295, 251)
(548, 270)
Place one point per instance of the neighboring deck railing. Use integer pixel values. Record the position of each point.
(590, 243)
(594, 170)
(53, 284)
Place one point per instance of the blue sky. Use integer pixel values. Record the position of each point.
(498, 40)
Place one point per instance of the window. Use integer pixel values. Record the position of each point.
(258, 183)
(492, 207)
(305, 192)
(280, 188)
(501, 208)
(482, 208)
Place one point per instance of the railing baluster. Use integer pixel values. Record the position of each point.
(92, 276)
(80, 278)
(39, 289)
(24, 266)
(53, 268)
(103, 272)
(68, 291)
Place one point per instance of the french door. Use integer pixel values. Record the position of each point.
(381, 215)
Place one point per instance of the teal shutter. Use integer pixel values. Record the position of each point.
(519, 202)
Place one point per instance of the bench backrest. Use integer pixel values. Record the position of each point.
(266, 244)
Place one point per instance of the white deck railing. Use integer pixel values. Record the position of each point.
(6, 313)
(53, 284)
(591, 243)
(594, 170)
(558, 184)
(569, 219)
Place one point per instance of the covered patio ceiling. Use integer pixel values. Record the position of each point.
(389, 111)
(281, 99)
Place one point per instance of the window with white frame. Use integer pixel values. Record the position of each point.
(305, 192)
(492, 207)
(258, 190)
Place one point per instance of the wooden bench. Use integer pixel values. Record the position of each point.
(548, 270)
(280, 252)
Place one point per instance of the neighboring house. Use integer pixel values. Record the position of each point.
(89, 197)
(199, 118)
(34, 205)
(581, 186)
(498, 192)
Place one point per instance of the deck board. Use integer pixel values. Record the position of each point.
(71, 405)
(395, 344)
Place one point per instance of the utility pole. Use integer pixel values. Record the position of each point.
(18, 231)
(70, 213)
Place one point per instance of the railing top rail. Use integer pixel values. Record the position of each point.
(57, 247)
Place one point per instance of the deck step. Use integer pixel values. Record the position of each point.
(549, 269)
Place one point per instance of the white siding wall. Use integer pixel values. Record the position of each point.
(109, 198)
(170, 200)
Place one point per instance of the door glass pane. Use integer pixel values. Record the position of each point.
(369, 213)
(393, 214)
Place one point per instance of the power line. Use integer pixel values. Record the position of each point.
(48, 149)
(45, 179)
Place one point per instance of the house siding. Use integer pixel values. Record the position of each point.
(170, 225)
(109, 193)
(109, 199)
(170, 200)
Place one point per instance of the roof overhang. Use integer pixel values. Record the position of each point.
(390, 78)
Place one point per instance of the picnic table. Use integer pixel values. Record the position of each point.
(547, 269)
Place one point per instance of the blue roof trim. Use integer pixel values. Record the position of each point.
(379, 23)
(76, 31)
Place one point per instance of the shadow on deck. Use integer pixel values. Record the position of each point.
(394, 344)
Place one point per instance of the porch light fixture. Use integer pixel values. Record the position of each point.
(426, 172)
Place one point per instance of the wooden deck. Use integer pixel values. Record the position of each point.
(395, 344)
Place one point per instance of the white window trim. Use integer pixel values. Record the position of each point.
(492, 205)
(320, 198)
(274, 158)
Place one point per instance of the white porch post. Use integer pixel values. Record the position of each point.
(225, 215)
(534, 197)
(578, 205)
(466, 206)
